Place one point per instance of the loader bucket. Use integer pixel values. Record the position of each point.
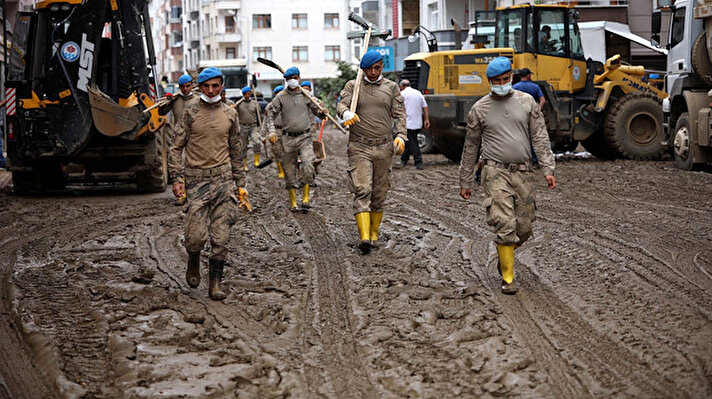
(110, 118)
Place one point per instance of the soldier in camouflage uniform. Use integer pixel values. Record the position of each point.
(371, 144)
(208, 133)
(296, 111)
(178, 103)
(276, 140)
(247, 111)
(503, 122)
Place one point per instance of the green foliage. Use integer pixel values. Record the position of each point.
(330, 88)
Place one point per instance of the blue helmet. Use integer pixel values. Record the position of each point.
(246, 89)
(277, 89)
(371, 57)
(291, 71)
(306, 83)
(209, 73)
(498, 66)
(184, 79)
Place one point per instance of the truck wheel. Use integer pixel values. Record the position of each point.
(700, 59)
(154, 179)
(425, 142)
(683, 143)
(634, 127)
(597, 146)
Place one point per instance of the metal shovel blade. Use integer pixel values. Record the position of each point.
(110, 118)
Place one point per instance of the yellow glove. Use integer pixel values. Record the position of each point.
(398, 145)
(242, 195)
(272, 138)
(350, 118)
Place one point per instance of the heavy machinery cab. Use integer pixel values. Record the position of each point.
(546, 40)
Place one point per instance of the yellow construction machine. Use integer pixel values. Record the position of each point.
(609, 108)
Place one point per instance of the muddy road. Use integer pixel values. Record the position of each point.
(615, 293)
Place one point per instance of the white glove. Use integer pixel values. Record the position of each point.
(348, 115)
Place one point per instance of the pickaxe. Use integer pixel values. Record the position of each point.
(367, 34)
(311, 98)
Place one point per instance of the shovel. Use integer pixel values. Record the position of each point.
(319, 149)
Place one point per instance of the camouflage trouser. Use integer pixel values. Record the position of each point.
(369, 175)
(509, 201)
(298, 147)
(277, 148)
(250, 139)
(211, 209)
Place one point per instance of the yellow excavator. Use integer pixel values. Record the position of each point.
(609, 108)
(83, 97)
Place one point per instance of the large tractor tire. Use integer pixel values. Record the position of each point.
(425, 142)
(700, 59)
(634, 127)
(683, 143)
(154, 179)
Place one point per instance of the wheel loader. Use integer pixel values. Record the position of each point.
(610, 108)
(81, 97)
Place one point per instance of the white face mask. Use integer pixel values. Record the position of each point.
(190, 93)
(292, 83)
(372, 81)
(210, 100)
(501, 90)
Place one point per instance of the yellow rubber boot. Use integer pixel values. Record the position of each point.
(292, 199)
(376, 218)
(257, 160)
(506, 262)
(363, 222)
(245, 161)
(280, 171)
(305, 196)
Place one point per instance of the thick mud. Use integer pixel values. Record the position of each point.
(614, 294)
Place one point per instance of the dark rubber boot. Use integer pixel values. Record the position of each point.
(216, 274)
(364, 246)
(192, 275)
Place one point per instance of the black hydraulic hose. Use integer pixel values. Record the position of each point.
(59, 58)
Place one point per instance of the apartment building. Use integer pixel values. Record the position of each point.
(166, 26)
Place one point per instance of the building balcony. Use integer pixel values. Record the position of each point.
(233, 37)
(227, 4)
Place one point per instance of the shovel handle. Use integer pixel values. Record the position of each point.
(321, 130)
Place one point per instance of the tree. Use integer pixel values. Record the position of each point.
(330, 88)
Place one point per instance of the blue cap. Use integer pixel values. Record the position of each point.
(306, 83)
(371, 57)
(277, 89)
(246, 89)
(654, 76)
(184, 79)
(209, 73)
(291, 71)
(498, 66)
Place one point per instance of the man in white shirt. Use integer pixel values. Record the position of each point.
(415, 109)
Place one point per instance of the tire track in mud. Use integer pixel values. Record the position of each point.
(331, 319)
(19, 377)
(524, 315)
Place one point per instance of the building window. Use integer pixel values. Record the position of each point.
(357, 48)
(434, 16)
(299, 53)
(299, 21)
(176, 13)
(229, 24)
(262, 52)
(332, 53)
(331, 20)
(230, 53)
(261, 21)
